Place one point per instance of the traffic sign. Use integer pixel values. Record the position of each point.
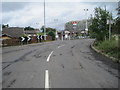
(41, 37)
(38, 37)
(22, 39)
(28, 38)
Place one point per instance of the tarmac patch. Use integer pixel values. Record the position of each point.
(7, 73)
(80, 65)
(11, 83)
(60, 54)
(62, 65)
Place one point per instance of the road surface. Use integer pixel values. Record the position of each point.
(57, 64)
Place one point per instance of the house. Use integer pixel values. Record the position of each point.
(5, 36)
(31, 32)
(13, 32)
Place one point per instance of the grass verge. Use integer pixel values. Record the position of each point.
(110, 48)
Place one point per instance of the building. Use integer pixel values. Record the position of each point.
(31, 32)
(79, 25)
(13, 32)
(76, 25)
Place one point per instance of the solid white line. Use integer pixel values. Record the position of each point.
(49, 56)
(46, 79)
(61, 46)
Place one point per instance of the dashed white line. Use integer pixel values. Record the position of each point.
(47, 79)
(49, 56)
(61, 46)
(46, 71)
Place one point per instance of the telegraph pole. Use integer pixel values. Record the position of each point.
(110, 26)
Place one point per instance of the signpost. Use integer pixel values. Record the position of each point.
(22, 39)
(28, 38)
(39, 38)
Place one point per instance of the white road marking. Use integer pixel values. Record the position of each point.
(61, 46)
(49, 56)
(46, 79)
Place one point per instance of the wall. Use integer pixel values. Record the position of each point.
(17, 41)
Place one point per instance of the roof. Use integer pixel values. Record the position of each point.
(31, 31)
(13, 31)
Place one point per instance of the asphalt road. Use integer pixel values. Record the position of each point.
(58, 64)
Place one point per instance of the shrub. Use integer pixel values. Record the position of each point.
(109, 47)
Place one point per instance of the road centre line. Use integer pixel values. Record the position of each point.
(47, 79)
(49, 56)
(61, 46)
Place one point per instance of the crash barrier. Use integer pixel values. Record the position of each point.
(24, 40)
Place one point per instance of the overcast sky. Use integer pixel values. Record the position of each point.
(23, 14)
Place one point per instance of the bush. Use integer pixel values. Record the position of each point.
(51, 33)
(109, 47)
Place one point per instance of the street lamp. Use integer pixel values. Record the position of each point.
(38, 27)
(56, 20)
(86, 29)
(110, 22)
(44, 23)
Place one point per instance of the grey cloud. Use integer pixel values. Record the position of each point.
(13, 6)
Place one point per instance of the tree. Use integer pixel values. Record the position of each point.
(99, 26)
(48, 29)
(42, 28)
(29, 28)
(116, 26)
(4, 26)
(51, 33)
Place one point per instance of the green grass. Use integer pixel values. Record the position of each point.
(110, 48)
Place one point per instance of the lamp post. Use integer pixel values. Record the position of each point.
(44, 23)
(86, 29)
(38, 27)
(56, 20)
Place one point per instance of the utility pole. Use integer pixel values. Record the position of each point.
(56, 34)
(110, 21)
(44, 23)
(106, 22)
(86, 29)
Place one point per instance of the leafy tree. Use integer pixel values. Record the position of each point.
(51, 33)
(42, 28)
(48, 29)
(29, 28)
(99, 27)
(4, 26)
(116, 26)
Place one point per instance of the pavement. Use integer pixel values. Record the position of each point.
(57, 64)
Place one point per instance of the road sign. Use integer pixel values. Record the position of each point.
(74, 23)
(41, 37)
(38, 37)
(66, 36)
(28, 38)
(22, 39)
